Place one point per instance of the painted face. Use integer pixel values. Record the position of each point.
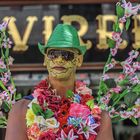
(61, 63)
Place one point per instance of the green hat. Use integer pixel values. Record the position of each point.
(63, 36)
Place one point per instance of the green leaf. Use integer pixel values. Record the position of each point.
(90, 103)
(5, 106)
(130, 98)
(123, 82)
(111, 43)
(36, 109)
(3, 70)
(119, 11)
(127, 23)
(3, 122)
(7, 52)
(138, 58)
(134, 120)
(2, 86)
(110, 83)
(103, 87)
(136, 89)
(116, 27)
(126, 91)
(48, 113)
(69, 94)
(115, 96)
(18, 96)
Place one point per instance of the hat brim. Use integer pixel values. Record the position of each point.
(43, 48)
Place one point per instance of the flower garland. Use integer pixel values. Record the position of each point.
(120, 95)
(74, 117)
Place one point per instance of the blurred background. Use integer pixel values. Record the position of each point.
(32, 21)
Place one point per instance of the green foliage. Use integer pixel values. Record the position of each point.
(134, 120)
(48, 113)
(3, 70)
(18, 96)
(103, 87)
(3, 122)
(136, 89)
(36, 109)
(110, 83)
(119, 10)
(123, 82)
(111, 43)
(130, 98)
(127, 23)
(116, 27)
(90, 103)
(5, 106)
(69, 94)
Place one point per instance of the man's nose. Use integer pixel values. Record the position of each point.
(59, 59)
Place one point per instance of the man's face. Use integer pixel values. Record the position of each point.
(62, 63)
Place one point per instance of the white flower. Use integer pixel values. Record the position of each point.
(70, 135)
(39, 120)
(52, 123)
(86, 128)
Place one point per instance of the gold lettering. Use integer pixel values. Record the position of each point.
(83, 27)
(104, 34)
(136, 31)
(20, 44)
(48, 26)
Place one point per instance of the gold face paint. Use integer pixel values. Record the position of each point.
(61, 69)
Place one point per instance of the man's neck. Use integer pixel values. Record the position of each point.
(62, 86)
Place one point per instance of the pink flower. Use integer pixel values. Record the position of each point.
(136, 111)
(109, 66)
(105, 99)
(2, 65)
(4, 25)
(96, 110)
(125, 114)
(78, 110)
(122, 20)
(113, 51)
(116, 36)
(105, 77)
(133, 54)
(12, 89)
(134, 80)
(112, 112)
(128, 69)
(116, 89)
(10, 60)
(136, 65)
(120, 77)
(81, 88)
(129, 9)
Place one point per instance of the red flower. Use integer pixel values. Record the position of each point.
(48, 135)
(85, 98)
(63, 112)
(92, 137)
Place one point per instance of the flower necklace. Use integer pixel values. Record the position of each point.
(74, 117)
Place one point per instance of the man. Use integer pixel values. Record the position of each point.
(63, 54)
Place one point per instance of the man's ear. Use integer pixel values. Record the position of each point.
(79, 60)
(45, 61)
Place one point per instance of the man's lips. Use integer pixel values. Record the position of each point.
(59, 68)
